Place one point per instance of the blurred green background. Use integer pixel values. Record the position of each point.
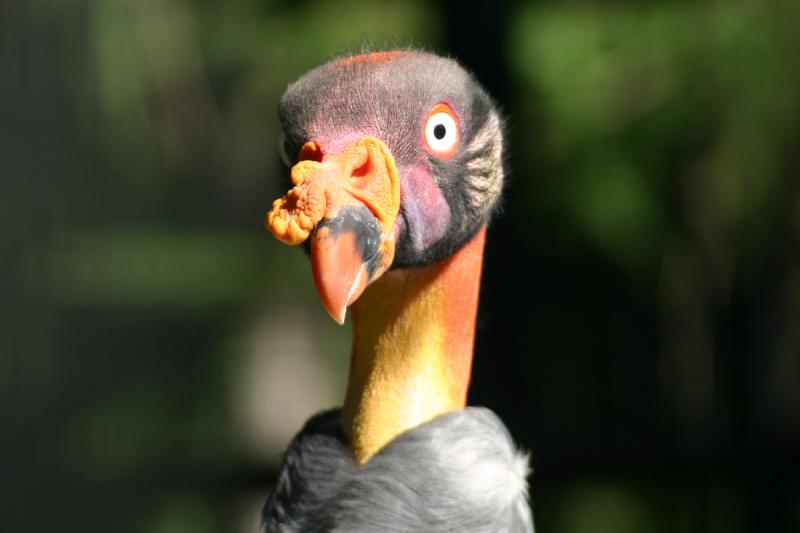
(640, 322)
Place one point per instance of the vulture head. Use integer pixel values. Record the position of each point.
(399, 165)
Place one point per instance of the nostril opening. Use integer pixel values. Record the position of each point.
(362, 170)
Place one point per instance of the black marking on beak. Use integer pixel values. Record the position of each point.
(360, 221)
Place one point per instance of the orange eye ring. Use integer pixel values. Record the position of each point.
(441, 133)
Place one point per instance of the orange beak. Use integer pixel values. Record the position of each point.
(348, 203)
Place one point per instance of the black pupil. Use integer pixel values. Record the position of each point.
(439, 131)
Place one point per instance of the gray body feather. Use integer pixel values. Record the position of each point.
(460, 472)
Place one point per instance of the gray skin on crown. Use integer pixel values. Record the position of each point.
(458, 473)
(339, 102)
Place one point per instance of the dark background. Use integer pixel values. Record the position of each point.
(640, 320)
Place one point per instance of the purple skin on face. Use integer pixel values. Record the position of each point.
(424, 213)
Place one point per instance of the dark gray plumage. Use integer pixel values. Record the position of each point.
(460, 472)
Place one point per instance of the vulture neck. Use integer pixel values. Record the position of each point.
(413, 333)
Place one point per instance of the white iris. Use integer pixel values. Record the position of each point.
(440, 132)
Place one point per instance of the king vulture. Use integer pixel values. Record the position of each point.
(399, 167)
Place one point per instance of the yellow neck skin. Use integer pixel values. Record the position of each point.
(413, 333)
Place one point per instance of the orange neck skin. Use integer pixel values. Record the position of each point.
(413, 333)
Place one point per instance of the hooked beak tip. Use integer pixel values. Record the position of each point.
(339, 270)
(338, 312)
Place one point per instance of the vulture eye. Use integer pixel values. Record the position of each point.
(441, 132)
